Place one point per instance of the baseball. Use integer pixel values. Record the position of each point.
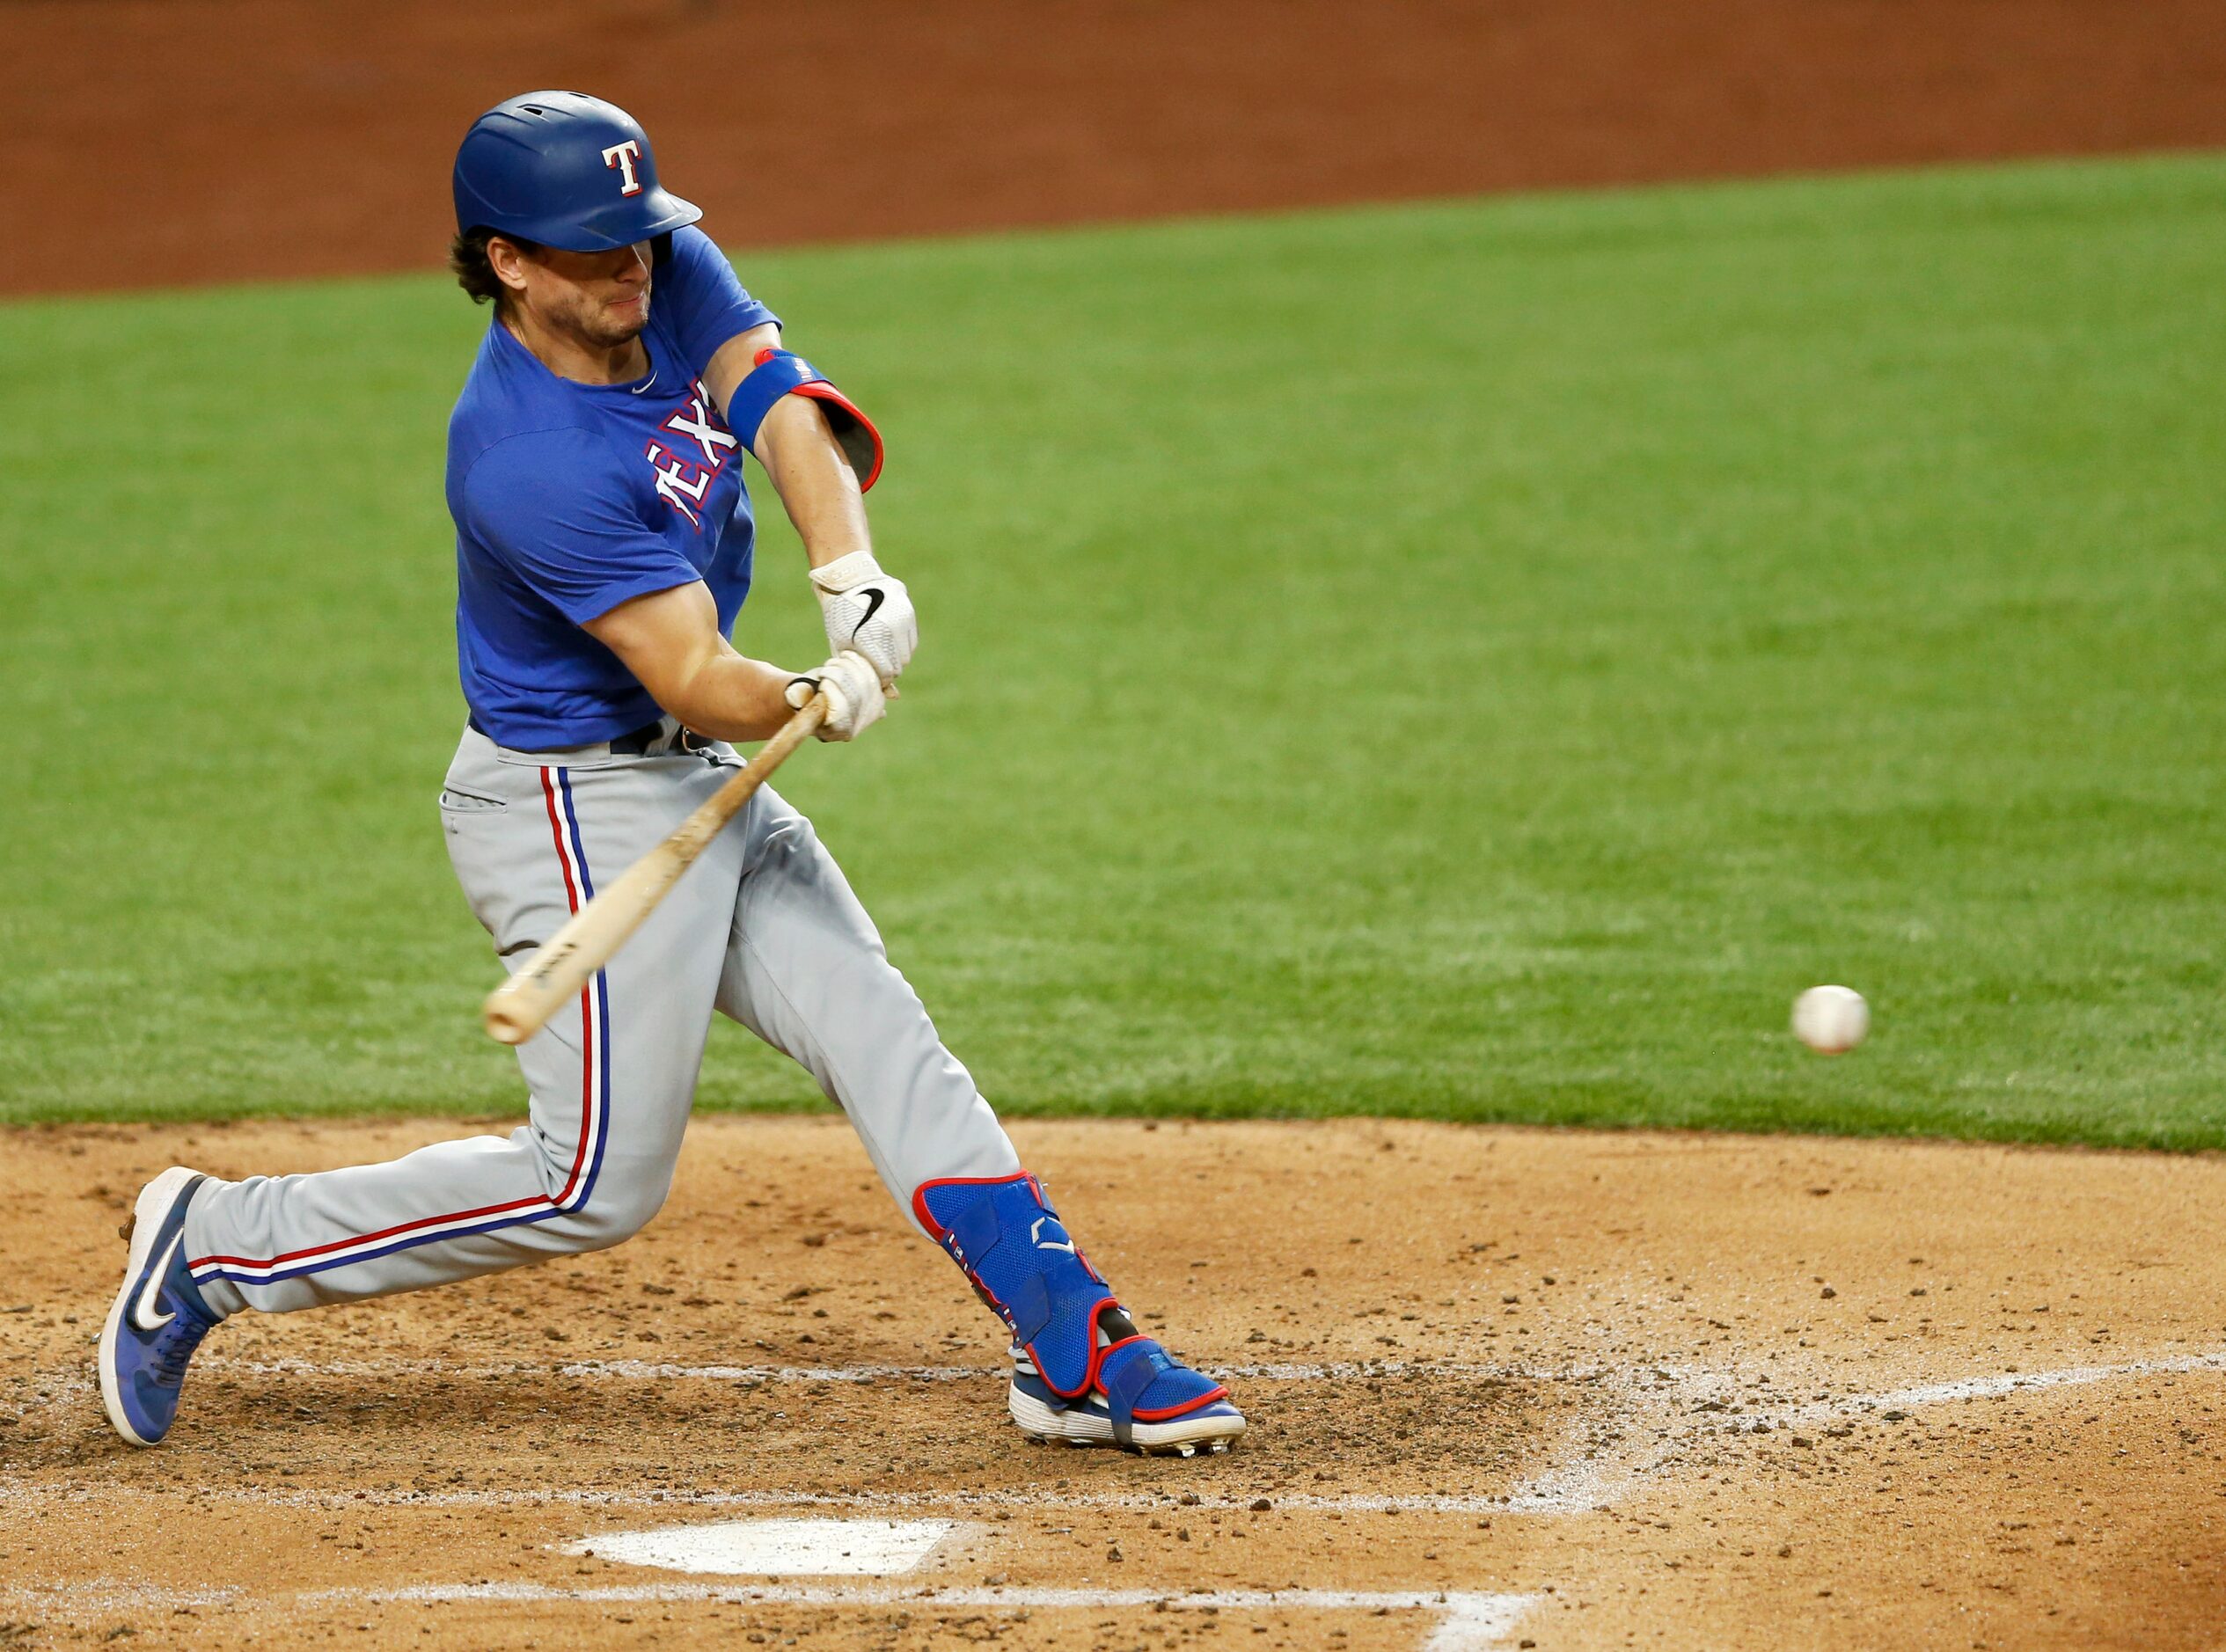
(1831, 1020)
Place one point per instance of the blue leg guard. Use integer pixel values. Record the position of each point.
(1004, 1234)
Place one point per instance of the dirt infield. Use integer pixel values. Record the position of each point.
(153, 143)
(1508, 1387)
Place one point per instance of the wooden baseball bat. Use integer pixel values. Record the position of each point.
(554, 975)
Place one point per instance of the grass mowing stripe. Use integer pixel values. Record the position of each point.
(1475, 660)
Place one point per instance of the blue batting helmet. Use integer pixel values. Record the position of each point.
(564, 170)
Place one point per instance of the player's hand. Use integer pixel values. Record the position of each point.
(869, 612)
(855, 698)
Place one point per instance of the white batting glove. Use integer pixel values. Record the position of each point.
(869, 612)
(856, 698)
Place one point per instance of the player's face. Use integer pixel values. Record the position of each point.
(601, 298)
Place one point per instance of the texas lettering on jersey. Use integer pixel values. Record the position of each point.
(683, 479)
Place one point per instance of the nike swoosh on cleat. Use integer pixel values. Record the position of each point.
(144, 1316)
(874, 596)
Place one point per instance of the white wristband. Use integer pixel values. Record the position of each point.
(854, 568)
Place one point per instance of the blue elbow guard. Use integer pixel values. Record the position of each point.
(777, 373)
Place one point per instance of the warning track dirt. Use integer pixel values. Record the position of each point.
(228, 139)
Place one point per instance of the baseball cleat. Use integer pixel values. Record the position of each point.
(1145, 1401)
(158, 1318)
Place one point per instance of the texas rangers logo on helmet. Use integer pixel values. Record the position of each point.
(623, 157)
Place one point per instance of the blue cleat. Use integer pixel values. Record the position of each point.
(158, 1318)
(1144, 1400)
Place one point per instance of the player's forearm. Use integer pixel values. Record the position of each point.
(729, 697)
(817, 486)
(669, 641)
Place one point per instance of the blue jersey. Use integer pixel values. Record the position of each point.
(570, 498)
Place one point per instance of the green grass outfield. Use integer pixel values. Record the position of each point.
(1475, 660)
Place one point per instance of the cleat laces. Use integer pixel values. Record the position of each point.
(174, 1345)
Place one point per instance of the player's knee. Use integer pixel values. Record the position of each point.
(619, 1209)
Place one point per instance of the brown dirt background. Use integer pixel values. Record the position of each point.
(1643, 1307)
(154, 143)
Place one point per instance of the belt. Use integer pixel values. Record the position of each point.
(637, 742)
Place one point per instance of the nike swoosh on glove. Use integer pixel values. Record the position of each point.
(868, 611)
(855, 699)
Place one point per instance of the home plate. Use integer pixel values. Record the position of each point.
(776, 1549)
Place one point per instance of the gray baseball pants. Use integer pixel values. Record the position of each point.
(763, 928)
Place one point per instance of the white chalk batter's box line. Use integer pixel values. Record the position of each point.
(60, 1387)
(1462, 1620)
(1580, 1487)
(665, 1371)
(966, 1501)
(1568, 1488)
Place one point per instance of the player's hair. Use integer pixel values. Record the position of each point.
(468, 262)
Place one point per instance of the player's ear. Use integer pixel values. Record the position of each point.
(507, 258)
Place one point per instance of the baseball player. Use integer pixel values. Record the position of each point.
(604, 541)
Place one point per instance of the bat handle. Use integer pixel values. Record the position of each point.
(508, 1025)
(556, 971)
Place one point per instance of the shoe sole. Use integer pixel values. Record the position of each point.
(139, 1230)
(1182, 1436)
